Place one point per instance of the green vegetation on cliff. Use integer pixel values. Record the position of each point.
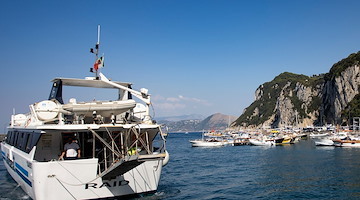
(352, 110)
(287, 86)
(342, 65)
(262, 109)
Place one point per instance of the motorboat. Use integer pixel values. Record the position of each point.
(122, 152)
(286, 140)
(347, 143)
(315, 135)
(258, 142)
(328, 140)
(323, 141)
(210, 142)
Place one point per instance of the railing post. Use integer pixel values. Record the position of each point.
(93, 147)
(122, 144)
(147, 142)
(105, 158)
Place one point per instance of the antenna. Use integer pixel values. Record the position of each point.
(98, 42)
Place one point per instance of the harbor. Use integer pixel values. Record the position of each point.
(293, 171)
(180, 100)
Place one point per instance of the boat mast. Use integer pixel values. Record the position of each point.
(96, 52)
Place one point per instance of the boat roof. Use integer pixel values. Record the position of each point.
(88, 82)
(72, 127)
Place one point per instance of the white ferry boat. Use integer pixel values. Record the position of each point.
(122, 151)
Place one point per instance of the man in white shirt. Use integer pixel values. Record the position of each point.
(71, 150)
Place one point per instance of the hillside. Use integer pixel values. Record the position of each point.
(214, 122)
(293, 99)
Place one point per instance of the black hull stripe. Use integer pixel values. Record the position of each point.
(24, 178)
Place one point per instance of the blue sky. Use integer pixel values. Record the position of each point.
(194, 56)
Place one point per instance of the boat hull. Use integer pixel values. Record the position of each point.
(204, 143)
(261, 143)
(323, 142)
(77, 179)
(347, 143)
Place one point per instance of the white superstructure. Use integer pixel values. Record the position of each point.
(122, 149)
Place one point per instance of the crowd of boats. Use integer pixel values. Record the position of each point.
(276, 137)
(339, 139)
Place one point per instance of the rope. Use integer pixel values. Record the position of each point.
(61, 181)
(65, 188)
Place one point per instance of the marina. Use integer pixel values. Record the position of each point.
(269, 137)
(186, 100)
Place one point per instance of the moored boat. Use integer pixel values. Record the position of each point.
(323, 141)
(257, 142)
(347, 143)
(328, 140)
(315, 135)
(287, 140)
(241, 142)
(207, 143)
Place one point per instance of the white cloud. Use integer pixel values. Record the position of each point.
(194, 100)
(173, 99)
(178, 105)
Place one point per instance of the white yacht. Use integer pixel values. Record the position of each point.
(122, 150)
(210, 142)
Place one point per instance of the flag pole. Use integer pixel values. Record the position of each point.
(98, 61)
(98, 41)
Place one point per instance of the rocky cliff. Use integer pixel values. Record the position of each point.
(299, 100)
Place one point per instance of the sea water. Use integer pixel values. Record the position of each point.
(298, 171)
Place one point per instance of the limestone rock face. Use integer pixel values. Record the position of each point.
(286, 114)
(299, 100)
(338, 92)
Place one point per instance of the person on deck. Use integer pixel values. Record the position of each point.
(71, 150)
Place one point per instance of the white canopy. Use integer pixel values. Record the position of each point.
(89, 83)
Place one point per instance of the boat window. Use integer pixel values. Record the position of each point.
(129, 93)
(12, 138)
(35, 139)
(8, 136)
(28, 143)
(24, 141)
(20, 139)
(16, 135)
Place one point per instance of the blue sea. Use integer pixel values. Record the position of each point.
(298, 171)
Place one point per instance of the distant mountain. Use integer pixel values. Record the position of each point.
(214, 122)
(293, 99)
(180, 117)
